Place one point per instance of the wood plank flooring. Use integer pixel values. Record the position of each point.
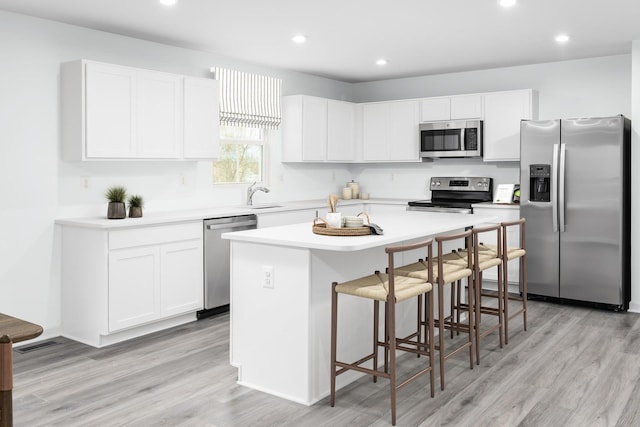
(575, 366)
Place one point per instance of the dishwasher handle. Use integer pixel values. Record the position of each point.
(231, 225)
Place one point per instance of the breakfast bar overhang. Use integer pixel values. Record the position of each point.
(281, 293)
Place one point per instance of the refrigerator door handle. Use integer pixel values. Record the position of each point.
(554, 187)
(563, 155)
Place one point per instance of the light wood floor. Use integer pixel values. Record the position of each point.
(575, 366)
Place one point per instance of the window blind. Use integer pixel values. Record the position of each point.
(249, 100)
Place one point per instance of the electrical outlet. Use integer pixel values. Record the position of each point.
(267, 277)
(85, 183)
(333, 175)
(183, 179)
(393, 176)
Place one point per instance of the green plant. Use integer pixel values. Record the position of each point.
(116, 194)
(136, 201)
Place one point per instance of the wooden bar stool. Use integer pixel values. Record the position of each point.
(12, 330)
(518, 253)
(389, 289)
(481, 261)
(443, 274)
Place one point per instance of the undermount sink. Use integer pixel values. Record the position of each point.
(264, 206)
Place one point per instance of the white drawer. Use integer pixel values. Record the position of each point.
(154, 235)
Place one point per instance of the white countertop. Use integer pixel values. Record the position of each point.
(213, 212)
(398, 227)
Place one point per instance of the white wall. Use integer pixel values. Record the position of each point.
(37, 187)
(635, 179)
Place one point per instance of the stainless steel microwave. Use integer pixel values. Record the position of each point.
(456, 138)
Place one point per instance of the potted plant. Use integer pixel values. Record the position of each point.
(116, 196)
(135, 206)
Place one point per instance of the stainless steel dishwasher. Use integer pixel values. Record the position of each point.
(216, 261)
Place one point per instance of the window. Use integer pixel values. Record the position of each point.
(242, 155)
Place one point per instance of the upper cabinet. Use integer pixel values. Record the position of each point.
(503, 112)
(318, 130)
(201, 118)
(116, 112)
(451, 108)
(390, 131)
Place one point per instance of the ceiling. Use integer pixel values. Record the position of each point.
(346, 37)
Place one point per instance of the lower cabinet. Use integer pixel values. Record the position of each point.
(119, 284)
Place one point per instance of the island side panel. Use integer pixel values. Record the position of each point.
(269, 326)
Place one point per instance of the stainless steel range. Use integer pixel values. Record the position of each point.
(455, 194)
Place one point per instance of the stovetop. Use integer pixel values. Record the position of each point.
(457, 192)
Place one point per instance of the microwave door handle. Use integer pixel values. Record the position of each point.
(561, 198)
(554, 187)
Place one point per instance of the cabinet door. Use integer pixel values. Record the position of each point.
(433, 109)
(109, 111)
(341, 131)
(503, 112)
(133, 291)
(201, 137)
(158, 115)
(314, 129)
(374, 131)
(181, 278)
(402, 138)
(466, 107)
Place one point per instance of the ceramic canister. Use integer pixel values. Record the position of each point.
(355, 189)
(347, 193)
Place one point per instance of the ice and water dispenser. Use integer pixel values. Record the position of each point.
(540, 183)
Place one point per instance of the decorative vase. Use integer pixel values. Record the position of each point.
(116, 210)
(135, 212)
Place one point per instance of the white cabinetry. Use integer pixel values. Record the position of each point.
(118, 284)
(451, 108)
(390, 131)
(503, 112)
(504, 213)
(201, 136)
(115, 112)
(318, 130)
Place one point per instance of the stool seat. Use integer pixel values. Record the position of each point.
(487, 260)
(376, 287)
(418, 270)
(512, 253)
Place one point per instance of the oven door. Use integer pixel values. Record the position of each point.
(451, 139)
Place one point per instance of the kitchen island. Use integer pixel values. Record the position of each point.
(281, 293)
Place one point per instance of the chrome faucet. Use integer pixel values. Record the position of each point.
(251, 191)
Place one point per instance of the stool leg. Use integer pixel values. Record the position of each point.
(6, 381)
(334, 321)
(505, 278)
(386, 338)
(391, 322)
(376, 316)
(441, 331)
(431, 343)
(478, 313)
(419, 329)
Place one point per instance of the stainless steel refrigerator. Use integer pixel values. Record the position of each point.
(575, 195)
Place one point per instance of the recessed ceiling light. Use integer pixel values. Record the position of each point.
(562, 38)
(507, 3)
(381, 62)
(168, 2)
(299, 38)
